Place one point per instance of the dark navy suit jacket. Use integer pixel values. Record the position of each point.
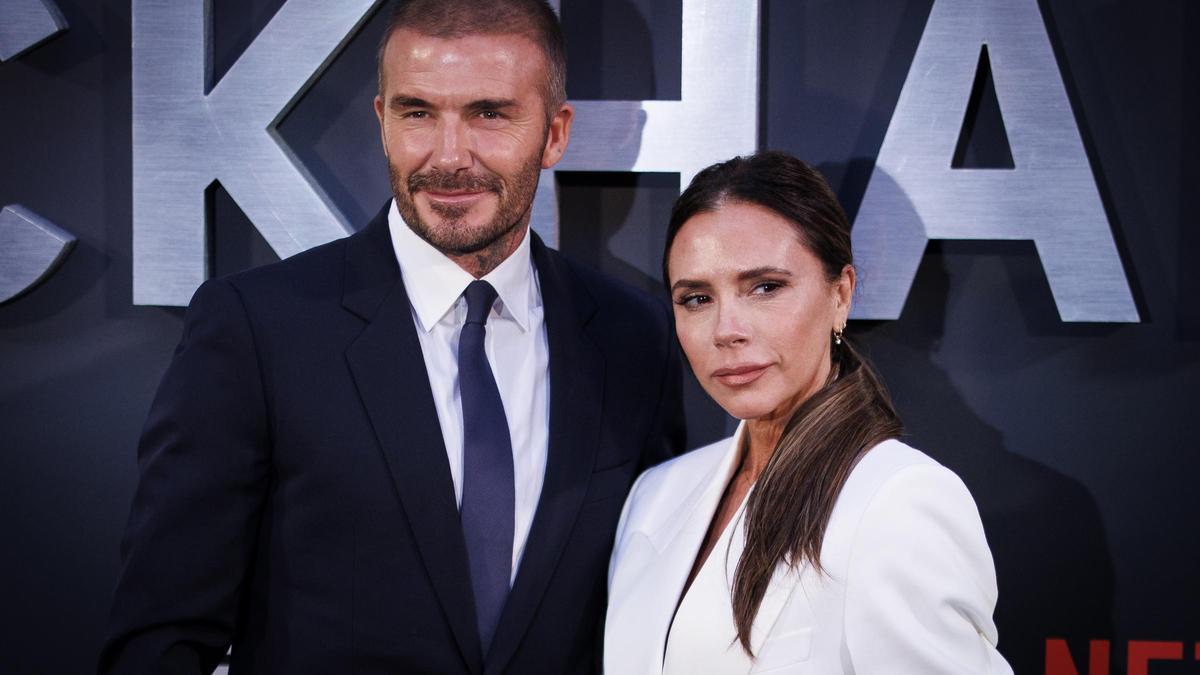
(295, 498)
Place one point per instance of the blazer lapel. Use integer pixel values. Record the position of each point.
(576, 408)
(389, 371)
(649, 605)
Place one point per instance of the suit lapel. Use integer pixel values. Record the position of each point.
(389, 371)
(576, 408)
(659, 554)
(679, 537)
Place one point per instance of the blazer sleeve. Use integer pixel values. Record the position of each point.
(921, 584)
(203, 473)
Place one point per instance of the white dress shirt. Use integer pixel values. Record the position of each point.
(516, 347)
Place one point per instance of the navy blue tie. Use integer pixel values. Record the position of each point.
(488, 494)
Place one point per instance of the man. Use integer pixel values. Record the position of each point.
(407, 450)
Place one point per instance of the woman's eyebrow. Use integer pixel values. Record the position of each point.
(689, 284)
(765, 271)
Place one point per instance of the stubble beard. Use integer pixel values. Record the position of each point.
(452, 235)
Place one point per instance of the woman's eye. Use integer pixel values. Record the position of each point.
(767, 287)
(693, 301)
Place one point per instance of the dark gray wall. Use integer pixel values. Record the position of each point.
(1071, 436)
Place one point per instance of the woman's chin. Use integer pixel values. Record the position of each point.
(744, 409)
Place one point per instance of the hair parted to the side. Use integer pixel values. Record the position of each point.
(450, 19)
(789, 508)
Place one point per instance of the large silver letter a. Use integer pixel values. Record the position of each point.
(1049, 197)
(184, 138)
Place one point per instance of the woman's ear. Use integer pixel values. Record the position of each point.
(843, 295)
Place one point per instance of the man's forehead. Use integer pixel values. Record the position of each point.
(409, 49)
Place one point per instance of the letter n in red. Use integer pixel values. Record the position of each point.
(1059, 661)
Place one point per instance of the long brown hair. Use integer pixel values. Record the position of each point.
(789, 508)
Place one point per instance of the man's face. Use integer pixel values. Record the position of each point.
(465, 132)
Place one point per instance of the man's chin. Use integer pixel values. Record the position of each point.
(459, 237)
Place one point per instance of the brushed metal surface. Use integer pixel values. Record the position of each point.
(31, 248)
(1050, 196)
(715, 119)
(185, 136)
(24, 24)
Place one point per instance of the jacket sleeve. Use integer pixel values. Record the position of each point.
(921, 584)
(203, 464)
(668, 437)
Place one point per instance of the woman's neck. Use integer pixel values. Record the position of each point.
(761, 437)
(763, 433)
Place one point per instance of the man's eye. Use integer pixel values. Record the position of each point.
(490, 115)
(416, 115)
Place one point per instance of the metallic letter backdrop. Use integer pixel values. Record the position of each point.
(31, 247)
(185, 136)
(26, 23)
(1050, 196)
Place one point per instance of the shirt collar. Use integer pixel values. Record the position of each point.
(434, 282)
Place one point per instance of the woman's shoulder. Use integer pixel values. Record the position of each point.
(901, 487)
(894, 462)
(911, 551)
(686, 469)
(670, 482)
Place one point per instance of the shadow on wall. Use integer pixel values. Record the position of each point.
(1052, 557)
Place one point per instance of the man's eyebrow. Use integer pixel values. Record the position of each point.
(402, 101)
(491, 104)
(765, 271)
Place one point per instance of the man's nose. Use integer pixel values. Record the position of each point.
(453, 151)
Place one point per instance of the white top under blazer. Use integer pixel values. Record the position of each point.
(909, 585)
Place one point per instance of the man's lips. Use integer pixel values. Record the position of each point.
(457, 197)
(740, 374)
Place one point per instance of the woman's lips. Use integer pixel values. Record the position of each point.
(736, 376)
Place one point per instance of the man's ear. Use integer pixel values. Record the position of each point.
(379, 116)
(558, 135)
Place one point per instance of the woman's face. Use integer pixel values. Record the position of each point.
(754, 309)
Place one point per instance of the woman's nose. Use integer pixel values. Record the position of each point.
(731, 329)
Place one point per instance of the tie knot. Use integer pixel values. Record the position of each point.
(480, 295)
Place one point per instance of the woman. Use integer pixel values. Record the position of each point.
(812, 541)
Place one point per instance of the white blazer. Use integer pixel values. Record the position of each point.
(909, 585)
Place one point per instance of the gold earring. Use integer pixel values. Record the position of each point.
(837, 335)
